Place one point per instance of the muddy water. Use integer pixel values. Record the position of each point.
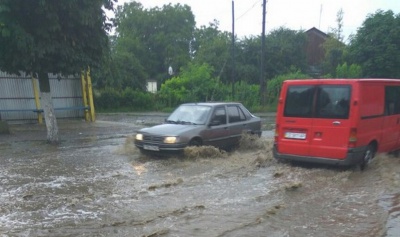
(97, 184)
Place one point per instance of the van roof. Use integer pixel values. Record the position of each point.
(338, 80)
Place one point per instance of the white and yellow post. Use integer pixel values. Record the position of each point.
(37, 99)
(90, 95)
(84, 97)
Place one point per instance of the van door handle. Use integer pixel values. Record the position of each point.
(336, 123)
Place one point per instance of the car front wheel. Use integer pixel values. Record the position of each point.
(195, 142)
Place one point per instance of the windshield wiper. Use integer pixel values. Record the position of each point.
(186, 122)
(171, 121)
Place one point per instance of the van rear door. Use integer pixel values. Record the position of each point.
(296, 122)
(329, 135)
(315, 120)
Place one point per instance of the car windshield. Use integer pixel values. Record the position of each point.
(190, 114)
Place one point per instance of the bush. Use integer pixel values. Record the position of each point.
(138, 100)
(128, 100)
(275, 84)
(194, 84)
(247, 94)
(107, 98)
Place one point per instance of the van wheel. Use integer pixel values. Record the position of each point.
(368, 155)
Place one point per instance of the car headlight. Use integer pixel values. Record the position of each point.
(170, 140)
(139, 137)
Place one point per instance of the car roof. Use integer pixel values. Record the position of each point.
(213, 103)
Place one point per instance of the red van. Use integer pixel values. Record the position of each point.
(337, 121)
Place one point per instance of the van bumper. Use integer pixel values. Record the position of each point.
(354, 156)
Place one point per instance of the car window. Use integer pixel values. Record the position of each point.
(219, 115)
(235, 114)
(194, 114)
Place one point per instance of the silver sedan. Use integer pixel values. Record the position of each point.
(219, 124)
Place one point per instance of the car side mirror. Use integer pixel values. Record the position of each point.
(215, 122)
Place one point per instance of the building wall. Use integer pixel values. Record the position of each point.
(17, 101)
(314, 50)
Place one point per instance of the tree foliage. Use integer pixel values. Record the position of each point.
(52, 36)
(376, 45)
(335, 54)
(211, 46)
(346, 71)
(195, 83)
(275, 84)
(149, 41)
(337, 32)
(285, 50)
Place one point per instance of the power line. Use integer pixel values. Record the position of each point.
(248, 10)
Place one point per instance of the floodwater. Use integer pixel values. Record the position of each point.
(95, 183)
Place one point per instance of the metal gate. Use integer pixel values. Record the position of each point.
(19, 97)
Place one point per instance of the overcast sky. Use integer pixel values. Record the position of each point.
(292, 14)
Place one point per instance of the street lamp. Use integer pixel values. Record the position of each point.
(170, 71)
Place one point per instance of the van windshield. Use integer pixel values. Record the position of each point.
(331, 101)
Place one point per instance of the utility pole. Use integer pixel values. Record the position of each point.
(263, 85)
(233, 50)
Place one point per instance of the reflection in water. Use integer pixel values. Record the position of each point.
(391, 203)
(139, 168)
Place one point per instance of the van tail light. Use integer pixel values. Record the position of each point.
(276, 134)
(353, 137)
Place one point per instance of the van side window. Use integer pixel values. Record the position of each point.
(333, 101)
(392, 100)
(299, 100)
(235, 114)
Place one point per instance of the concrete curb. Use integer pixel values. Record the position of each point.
(4, 129)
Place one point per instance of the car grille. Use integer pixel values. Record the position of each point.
(150, 138)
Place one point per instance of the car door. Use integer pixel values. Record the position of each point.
(217, 132)
(238, 123)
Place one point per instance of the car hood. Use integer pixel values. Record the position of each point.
(169, 129)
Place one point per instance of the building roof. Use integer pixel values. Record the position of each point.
(317, 32)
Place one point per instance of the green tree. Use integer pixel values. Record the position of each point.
(335, 52)
(248, 61)
(51, 36)
(285, 50)
(149, 41)
(129, 51)
(376, 46)
(195, 83)
(211, 46)
(275, 84)
(337, 32)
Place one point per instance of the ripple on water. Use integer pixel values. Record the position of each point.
(391, 203)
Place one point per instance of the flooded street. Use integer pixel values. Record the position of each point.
(96, 183)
